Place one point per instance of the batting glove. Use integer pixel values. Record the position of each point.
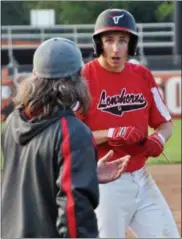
(154, 145)
(124, 135)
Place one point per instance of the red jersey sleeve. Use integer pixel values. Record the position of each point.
(158, 112)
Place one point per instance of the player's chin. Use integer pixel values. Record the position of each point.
(115, 64)
(116, 67)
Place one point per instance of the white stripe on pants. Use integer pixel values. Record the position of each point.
(134, 201)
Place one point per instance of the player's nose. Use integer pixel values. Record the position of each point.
(115, 47)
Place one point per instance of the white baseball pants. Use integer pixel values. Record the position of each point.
(134, 201)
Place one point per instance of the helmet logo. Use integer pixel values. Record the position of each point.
(116, 18)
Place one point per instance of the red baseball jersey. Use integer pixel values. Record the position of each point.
(127, 98)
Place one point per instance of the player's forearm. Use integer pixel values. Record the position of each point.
(165, 130)
(100, 136)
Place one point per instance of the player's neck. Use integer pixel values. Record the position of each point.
(104, 63)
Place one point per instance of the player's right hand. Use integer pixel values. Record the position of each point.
(124, 136)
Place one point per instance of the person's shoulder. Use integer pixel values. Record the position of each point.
(10, 120)
(139, 68)
(79, 132)
(81, 127)
(90, 65)
(89, 71)
(11, 117)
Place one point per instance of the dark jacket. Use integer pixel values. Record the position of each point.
(50, 186)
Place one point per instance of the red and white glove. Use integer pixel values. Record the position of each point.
(124, 136)
(154, 145)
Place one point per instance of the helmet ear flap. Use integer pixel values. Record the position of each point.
(132, 45)
(97, 46)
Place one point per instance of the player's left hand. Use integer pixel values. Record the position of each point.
(153, 146)
(110, 171)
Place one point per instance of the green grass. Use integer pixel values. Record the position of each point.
(172, 147)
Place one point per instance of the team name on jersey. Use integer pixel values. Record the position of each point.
(119, 104)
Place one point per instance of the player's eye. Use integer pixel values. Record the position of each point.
(108, 40)
(123, 40)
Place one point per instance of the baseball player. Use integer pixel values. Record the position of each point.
(125, 101)
(50, 176)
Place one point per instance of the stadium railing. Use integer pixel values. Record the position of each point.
(151, 35)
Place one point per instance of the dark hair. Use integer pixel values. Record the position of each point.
(48, 95)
